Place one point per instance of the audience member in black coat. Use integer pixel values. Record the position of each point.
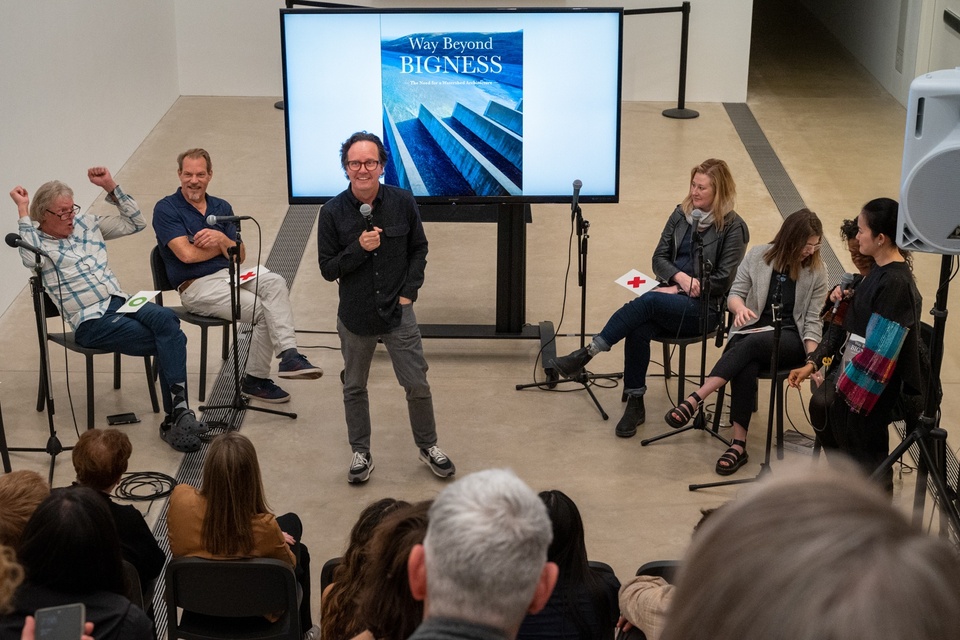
(100, 459)
(70, 553)
(584, 604)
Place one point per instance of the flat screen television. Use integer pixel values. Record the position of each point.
(474, 106)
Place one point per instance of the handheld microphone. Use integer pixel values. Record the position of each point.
(845, 281)
(576, 195)
(14, 240)
(213, 220)
(367, 212)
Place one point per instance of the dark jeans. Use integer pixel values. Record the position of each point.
(151, 331)
(743, 360)
(290, 523)
(652, 315)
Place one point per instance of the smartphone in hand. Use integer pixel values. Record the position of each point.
(65, 622)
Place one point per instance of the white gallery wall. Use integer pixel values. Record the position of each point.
(85, 82)
(232, 47)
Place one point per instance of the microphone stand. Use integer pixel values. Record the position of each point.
(929, 437)
(582, 378)
(700, 420)
(53, 447)
(239, 403)
(777, 316)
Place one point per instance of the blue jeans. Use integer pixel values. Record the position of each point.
(151, 331)
(653, 315)
(406, 352)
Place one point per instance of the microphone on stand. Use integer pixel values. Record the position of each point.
(845, 281)
(14, 240)
(213, 220)
(367, 212)
(576, 195)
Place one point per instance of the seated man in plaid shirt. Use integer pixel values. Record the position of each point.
(87, 293)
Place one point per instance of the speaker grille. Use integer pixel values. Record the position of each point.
(930, 211)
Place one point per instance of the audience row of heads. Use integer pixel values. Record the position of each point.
(811, 553)
(100, 459)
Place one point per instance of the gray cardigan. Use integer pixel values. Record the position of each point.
(752, 285)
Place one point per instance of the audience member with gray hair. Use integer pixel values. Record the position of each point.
(817, 555)
(483, 565)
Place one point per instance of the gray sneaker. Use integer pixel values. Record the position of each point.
(438, 461)
(361, 468)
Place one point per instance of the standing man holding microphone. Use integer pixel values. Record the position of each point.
(370, 238)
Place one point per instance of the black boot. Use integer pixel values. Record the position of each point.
(569, 366)
(633, 416)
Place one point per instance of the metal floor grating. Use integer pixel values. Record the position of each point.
(285, 260)
(776, 178)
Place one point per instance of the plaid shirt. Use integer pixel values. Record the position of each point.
(86, 282)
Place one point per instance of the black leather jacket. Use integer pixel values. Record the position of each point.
(722, 251)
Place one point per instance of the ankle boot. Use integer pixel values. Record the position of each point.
(570, 365)
(633, 416)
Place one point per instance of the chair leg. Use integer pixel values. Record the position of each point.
(148, 365)
(682, 374)
(667, 373)
(90, 412)
(202, 387)
(41, 391)
(116, 370)
(225, 350)
(777, 380)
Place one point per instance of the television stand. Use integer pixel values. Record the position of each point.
(511, 222)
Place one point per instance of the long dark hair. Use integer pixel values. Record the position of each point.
(339, 617)
(70, 544)
(790, 241)
(385, 600)
(569, 551)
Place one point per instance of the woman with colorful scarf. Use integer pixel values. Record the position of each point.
(881, 358)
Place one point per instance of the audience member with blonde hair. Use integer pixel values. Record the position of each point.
(229, 517)
(816, 554)
(100, 459)
(20, 493)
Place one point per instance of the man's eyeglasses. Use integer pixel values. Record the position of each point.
(64, 215)
(369, 165)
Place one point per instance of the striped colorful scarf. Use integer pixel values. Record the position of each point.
(867, 374)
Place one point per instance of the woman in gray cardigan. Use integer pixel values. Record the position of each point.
(789, 269)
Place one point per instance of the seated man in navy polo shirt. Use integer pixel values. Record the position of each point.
(196, 257)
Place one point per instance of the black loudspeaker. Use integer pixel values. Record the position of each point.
(929, 219)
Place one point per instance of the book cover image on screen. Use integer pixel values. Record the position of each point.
(478, 79)
(474, 106)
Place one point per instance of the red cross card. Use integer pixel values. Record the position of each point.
(637, 282)
(249, 274)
